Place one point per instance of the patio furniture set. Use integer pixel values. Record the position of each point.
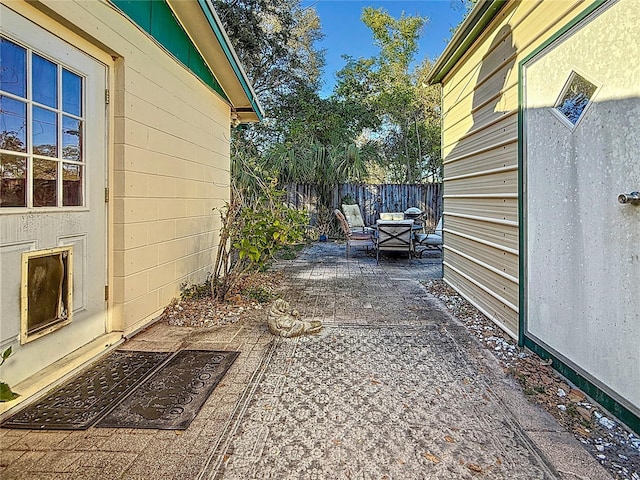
(394, 231)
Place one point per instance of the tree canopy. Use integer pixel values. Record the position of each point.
(408, 135)
(379, 124)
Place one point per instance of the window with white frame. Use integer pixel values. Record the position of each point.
(575, 97)
(42, 127)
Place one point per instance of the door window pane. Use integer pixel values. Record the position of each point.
(71, 139)
(45, 180)
(13, 68)
(13, 181)
(71, 185)
(45, 132)
(71, 93)
(45, 81)
(13, 124)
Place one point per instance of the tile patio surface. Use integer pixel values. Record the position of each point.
(392, 388)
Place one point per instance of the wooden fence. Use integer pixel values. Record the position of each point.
(374, 199)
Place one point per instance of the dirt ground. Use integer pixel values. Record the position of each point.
(614, 446)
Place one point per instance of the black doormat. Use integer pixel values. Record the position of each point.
(171, 398)
(81, 401)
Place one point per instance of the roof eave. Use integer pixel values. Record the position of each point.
(483, 12)
(200, 20)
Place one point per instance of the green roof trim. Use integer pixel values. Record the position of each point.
(220, 34)
(467, 33)
(157, 19)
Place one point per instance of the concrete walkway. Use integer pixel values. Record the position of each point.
(392, 388)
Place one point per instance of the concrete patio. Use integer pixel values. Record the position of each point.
(392, 388)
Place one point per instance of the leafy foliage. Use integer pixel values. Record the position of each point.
(190, 290)
(252, 234)
(6, 394)
(407, 109)
(265, 228)
(274, 41)
(381, 118)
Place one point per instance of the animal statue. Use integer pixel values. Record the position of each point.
(286, 322)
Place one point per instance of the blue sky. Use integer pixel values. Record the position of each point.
(346, 34)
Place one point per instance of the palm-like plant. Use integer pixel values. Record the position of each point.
(322, 166)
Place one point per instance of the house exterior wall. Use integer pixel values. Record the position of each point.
(480, 151)
(167, 146)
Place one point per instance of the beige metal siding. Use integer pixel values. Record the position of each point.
(480, 147)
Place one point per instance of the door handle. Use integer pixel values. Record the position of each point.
(633, 198)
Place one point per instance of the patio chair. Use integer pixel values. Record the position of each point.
(354, 239)
(354, 218)
(431, 240)
(395, 236)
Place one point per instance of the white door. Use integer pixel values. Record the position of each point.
(52, 183)
(581, 151)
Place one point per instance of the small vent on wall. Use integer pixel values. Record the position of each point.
(574, 99)
(46, 295)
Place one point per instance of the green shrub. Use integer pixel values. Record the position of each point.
(6, 394)
(252, 233)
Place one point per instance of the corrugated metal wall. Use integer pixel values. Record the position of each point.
(374, 199)
(480, 148)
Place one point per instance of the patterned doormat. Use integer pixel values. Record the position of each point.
(81, 401)
(171, 398)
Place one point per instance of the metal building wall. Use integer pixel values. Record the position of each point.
(480, 149)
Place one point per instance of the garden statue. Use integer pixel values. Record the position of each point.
(286, 322)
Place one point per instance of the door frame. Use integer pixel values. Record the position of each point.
(565, 367)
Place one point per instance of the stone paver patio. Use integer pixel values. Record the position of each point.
(392, 388)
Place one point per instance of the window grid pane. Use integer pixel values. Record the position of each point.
(45, 132)
(44, 85)
(71, 185)
(13, 74)
(71, 139)
(71, 93)
(13, 124)
(45, 183)
(13, 181)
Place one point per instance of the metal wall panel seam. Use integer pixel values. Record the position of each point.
(481, 173)
(462, 95)
(482, 150)
(497, 221)
(559, 18)
(497, 246)
(482, 264)
(482, 195)
(489, 292)
(485, 312)
(476, 304)
(509, 113)
(501, 92)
